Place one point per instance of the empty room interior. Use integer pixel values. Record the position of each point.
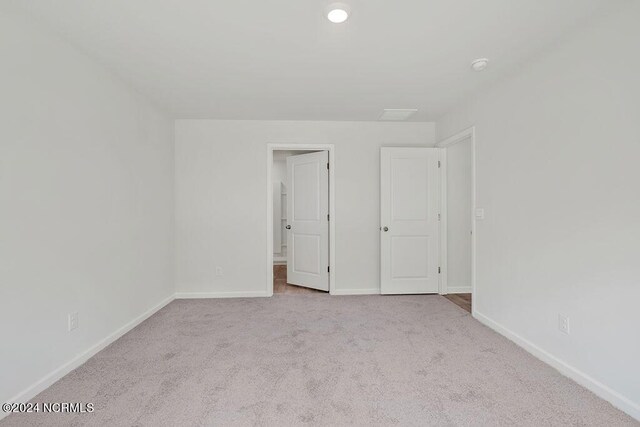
(274, 213)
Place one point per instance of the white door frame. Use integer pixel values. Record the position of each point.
(469, 133)
(271, 147)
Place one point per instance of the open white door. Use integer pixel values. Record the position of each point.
(409, 232)
(308, 220)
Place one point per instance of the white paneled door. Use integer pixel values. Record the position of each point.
(409, 231)
(308, 220)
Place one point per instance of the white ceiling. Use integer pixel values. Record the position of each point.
(281, 59)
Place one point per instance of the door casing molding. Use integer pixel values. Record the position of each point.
(271, 147)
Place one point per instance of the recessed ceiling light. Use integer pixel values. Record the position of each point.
(397, 114)
(479, 64)
(337, 13)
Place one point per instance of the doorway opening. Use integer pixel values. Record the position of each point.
(458, 225)
(300, 244)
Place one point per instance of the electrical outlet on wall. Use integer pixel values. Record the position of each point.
(73, 321)
(563, 324)
(218, 271)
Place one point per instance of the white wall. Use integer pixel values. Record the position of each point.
(558, 147)
(459, 217)
(86, 205)
(279, 170)
(221, 199)
(279, 174)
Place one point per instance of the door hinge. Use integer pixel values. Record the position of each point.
(327, 217)
(327, 165)
(328, 269)
(438, 217)
(438, 163)
(438, 270)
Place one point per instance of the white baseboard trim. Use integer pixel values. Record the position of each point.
(238, 294)
(375, 291)
(616, 399)
(458, 289)
(44, 383)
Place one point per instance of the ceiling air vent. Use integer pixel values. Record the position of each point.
(397, 115)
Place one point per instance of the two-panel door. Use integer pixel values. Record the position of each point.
(409, 229)
(308, 220)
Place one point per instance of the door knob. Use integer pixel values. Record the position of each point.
(385, 229)
(288, 227)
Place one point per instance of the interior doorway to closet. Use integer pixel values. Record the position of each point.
(459, 219)
(300, 221)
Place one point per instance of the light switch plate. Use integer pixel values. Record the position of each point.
(479, 213)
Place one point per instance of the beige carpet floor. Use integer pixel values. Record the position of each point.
(323, 360)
